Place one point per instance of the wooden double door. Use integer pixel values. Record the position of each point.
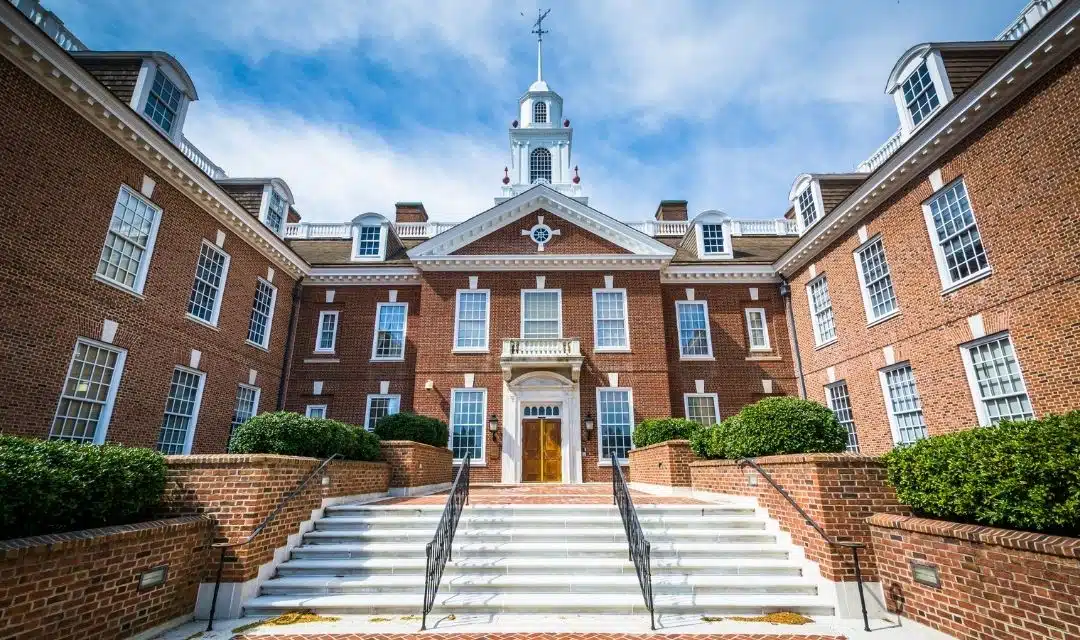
(541, 450)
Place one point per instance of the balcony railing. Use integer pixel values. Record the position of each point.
(541, 352)
(657, 228)
(50, 24)
(421, 229)
(201, 160)
(1032, 13)
(881, 155)
(779, 227)
(317, 230)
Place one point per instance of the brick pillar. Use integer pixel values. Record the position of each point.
(410, 212)
(672, 211)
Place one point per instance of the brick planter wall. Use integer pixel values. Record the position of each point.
(85, 584)
(664, 463)
(413, 464)
(839, 491)
(995, 583)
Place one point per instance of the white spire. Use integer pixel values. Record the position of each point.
(538, 29)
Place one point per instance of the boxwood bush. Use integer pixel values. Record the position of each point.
(292, 434)
(410, 426)
(773, 426)
(663, 429)
(1017, 475)
(53, 486)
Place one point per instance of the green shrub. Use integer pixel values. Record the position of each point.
(1018, 475)
(774, 426)
(53, 486)
(409, 426)
(663, 429)
(292, 434)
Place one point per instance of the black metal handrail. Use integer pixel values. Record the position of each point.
(440, 549)
(225, 546)
(640, 549)
(854, 546)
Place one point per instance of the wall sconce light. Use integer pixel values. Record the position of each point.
(429, 385)
(493, 427)
(589, 424)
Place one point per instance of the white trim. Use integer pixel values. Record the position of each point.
(973, 383)
(747, 312)
(715, 399)
(265, 344)
(216, 311)
(404, 332)
(369, 220)
(105, 417)
(307, 410)
(802, 183)
(708, 330)
(864, 289)
(396, 397)
(482, 461)
(264, 206)
(362, 275)
(939, 78)
(145, 83)
(626, 322)
(255, 403)
(558, 293)
(949, 285)
(487, 321)
(713, 217)
(318, 331)
(893, 424)
(189, 437)
(755, 273)
(601, 461)
(819, 340)
(148, 250)
(542, 262)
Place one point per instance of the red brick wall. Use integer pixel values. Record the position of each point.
(838, 491)
(509, 240)
(1022, 171)
(238, 491)
(995, 583)
(664, 463)
(413, 464)
(85, 584)
(55, 220)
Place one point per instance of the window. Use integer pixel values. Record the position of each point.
(541, 411)
(695, 339)
(756, 329)
(840, 403)
(326, 339)
(471, 322)
(996, 382)
(920, 96)
(389, 341)
(163, 103)
(702, 408)
(879, 298)
(210, 272)
(181, 411)
(541, 314)
(712, 238)
(904, 405)
(821, 311)
(86, 400)
(369, 241)
(958, 247)
(379, 406)
(539, 166)
(807, 206)
(262, 313)
(247, 405)
(616, 411)
(315, 411)
(610, 320)
(275, 212)
(539, 112)
(467, 409)
(129, 242)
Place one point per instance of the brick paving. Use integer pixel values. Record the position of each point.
(536, 636)
(589, 493)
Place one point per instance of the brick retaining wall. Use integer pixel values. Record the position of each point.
(413, 464)
(664, 463)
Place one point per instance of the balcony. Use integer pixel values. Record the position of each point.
(541, 353)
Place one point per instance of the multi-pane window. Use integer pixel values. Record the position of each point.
(368, 241)
(540, 112)
(994, 372)
(807, 206)
(959, 249)
(315, 411)
(326, 339)
(695, 339)
(701, 408)
(181, 412)
(389, 331)
(877, 285)
(541, 314)
(467, 408)
(609, 318)
(616, 422)
(757, 330)
(904, 404)
(471, 327)
(129, 241)
(712, 238)
(262, 313)
(85, 405)
(821, 310)
(539, 166)
(275, 211)
(209, 282)
(163, 103)
(840, 403)
(380, 406)
(247, 405)
(920, 96)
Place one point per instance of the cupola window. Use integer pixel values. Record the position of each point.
(920, 96)
(540, 166)
(540, 115)
(163, 103)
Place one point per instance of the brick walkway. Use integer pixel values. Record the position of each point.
(592, 493)
(534, 636)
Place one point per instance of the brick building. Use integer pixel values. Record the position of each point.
(931, 290)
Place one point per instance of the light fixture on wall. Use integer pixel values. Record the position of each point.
(493, 427)
(589, 424)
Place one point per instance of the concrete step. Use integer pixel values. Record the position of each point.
(488, 510)
(570, 521)
(468, 549)
(538, 534)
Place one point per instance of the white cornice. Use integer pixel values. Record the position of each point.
(542, 262)
(362, 276)
(38, 56)
(733, 273)
(1050, 41)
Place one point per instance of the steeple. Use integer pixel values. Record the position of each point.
(540, 31)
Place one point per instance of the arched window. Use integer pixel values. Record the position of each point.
(540, 166)
(539, 112)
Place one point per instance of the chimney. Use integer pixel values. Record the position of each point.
(410, 212)
(672, 210)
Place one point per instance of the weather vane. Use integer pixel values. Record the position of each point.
(539, 24)
(538, 29)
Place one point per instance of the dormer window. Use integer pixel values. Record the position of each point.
(368, 241)
(163, 102)
(540, 166)
(808, 213)
(712, 239)
(540, 114)
(920, 96)
(713, 231)
(275, 212)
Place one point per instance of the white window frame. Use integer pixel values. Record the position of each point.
(319, 330)
(404, 332)
(829, 402)
(395, 397)
(818, 342)
(487, 321)
(483, 425)
(216, 312)
(708, 330)
(141, 94)
(715, 400)
(381, 254)
(311, 407)
(935, 66)
(749, 311)
(264, 209)
(864, 287)
(894, 425)
(596, 322)
(717, 219)
(148, 250)
(601, 460)
(973, 383)
(189, 437)
(949, 285)
(558, 293)
(254, 406)
(104, 418)
(265, 344)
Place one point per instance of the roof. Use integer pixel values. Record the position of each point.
(338, 252)
(745, 250)
(102, 58)
(985, 50)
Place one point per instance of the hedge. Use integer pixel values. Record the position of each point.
(663, 429)
(292, 434)
(772, 426)
(55, 486)
(1018, 475)
(410, 426)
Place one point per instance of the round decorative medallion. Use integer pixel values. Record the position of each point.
(541, 233)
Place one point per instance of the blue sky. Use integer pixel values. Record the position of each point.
(359, 104)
